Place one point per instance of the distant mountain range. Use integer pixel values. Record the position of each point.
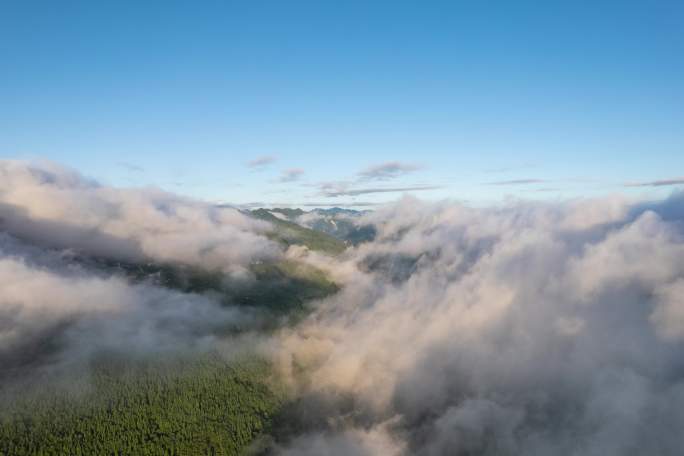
(342, 224)
(289, 233)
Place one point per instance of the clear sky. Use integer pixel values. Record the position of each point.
(349, 102)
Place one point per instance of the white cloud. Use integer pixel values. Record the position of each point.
(532, 328)
(54, 206)
(55, 311)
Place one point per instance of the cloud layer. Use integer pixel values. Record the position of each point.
(63, 298)
(57, 207)
(524, 329)
(56, 312)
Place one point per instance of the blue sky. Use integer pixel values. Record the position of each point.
(350, 102)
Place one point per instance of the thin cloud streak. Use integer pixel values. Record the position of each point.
(366, 191)
(517, 182)
(131, 167)
(657, 183)
(261, 162)
(388, 170)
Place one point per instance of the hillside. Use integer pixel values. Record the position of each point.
(335, 222)
(175, 403)
(290, 233)
(278, 289)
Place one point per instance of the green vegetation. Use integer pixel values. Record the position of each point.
(289, 233)
(341, 224)
(179, 406)
(204, 406)
(279, 288)
(198, 406)
(343, 229)
(286, 286)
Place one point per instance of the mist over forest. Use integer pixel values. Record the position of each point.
(137, 321)
(341, 228)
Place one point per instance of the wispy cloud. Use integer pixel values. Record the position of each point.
(388, 170)
(291, 175)
(517, 182)
(261, 162)
(131, 167)
(333, 193)
(547, 189)
(657, 183)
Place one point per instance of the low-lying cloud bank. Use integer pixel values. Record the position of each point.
(55, 314)
(528, 328)
(531, 328)
(50, 205)
(63, 297)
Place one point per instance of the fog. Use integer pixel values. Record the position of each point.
(55, 315)
(48, 204)
(63, 297)
(528, 328)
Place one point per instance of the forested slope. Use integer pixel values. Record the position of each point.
(181, 407)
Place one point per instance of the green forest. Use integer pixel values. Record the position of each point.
(206, 405)
(177, 404)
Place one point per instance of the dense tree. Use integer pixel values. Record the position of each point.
(181, 407)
